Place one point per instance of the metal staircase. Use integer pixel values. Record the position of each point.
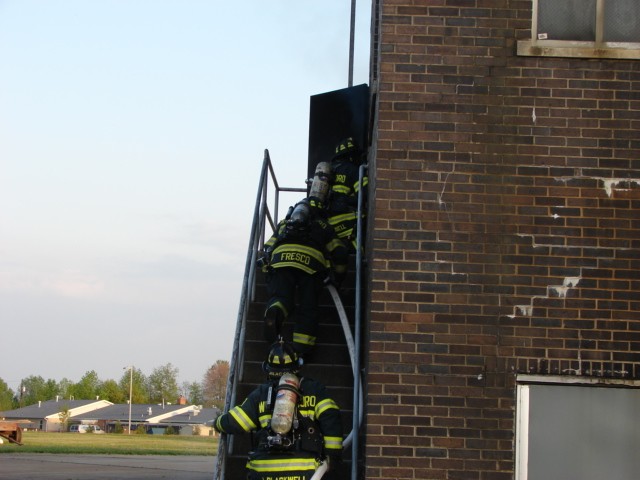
(331, 363)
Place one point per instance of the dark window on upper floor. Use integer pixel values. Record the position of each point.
(584, 28)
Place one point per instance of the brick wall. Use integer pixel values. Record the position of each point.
(504, 234)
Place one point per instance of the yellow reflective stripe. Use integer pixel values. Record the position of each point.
(343, 217)
(243, 420)
(325, 405)
(307, 412)
(281, 306)
(296, 265)
(345, 233)
(333, 244)
(282, 464)
(356, 186)
(344, 220)
(264, 420)
(342, 189)
(274, 238)
(304, 339)
(333, 443)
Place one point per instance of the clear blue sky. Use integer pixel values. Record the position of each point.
(131, 137)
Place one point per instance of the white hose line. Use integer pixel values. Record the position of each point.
(352, 353)
(322, 469)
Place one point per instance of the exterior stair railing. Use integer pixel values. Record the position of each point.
(261, 215)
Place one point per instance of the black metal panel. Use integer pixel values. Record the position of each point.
(335, 116)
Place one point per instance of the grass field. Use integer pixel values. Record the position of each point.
(115, 444)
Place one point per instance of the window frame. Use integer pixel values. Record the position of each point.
(522, 415)
(541, 47)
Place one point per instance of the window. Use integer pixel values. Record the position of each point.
(584, 28)
(577, 428)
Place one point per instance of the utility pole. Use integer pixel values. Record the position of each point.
(351, 40)
(130, 367)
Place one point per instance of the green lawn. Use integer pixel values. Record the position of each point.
(116, 444)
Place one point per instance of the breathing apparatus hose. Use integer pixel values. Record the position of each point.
(352, 353)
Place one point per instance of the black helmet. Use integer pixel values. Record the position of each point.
(345, 148)
(282, 359)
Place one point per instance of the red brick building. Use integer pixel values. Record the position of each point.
(504, 233)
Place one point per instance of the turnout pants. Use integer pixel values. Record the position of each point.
(284, 285)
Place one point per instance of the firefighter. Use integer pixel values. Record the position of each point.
(343, 197)
(309, 433)
(302, 255)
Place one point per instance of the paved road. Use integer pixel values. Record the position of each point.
(35, 466)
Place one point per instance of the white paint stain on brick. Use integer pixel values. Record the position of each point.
(533, 240)
(571, 281)
(609, 184)
(567, 283)
(560, 291)
(444, 186)
(526, 310)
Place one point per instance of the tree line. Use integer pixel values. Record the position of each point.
(161, 386)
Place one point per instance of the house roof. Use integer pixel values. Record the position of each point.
(201, 416)
(139, 412)
(52, 408)
(94, 410)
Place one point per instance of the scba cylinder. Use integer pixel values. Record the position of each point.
(321, 182)
(285, 405)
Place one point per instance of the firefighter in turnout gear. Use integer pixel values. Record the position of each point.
(343, 197)
(312, 431)
(301, 255)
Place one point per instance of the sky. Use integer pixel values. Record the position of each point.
(132, 133)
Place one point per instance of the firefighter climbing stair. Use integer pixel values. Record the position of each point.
(330, 363)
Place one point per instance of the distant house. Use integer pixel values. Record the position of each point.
(48, 416)
(197, 421)
(152, 417)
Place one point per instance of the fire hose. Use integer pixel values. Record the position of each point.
(352, 353)
(322, 469)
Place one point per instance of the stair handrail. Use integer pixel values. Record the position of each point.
(261, 215)
(357, 382)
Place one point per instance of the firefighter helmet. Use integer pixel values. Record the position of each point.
(282, 359)
(346, 148)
